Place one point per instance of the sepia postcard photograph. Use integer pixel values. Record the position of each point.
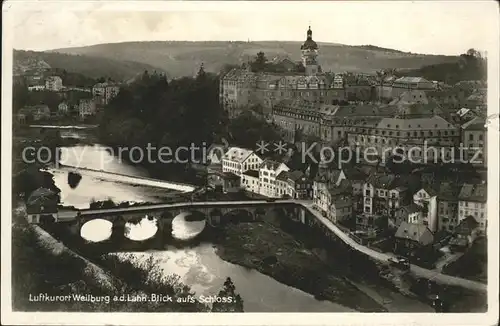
(310, 163)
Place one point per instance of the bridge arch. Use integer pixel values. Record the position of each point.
(96, 230)
(188, 224)
(237, 214)
(142, 228)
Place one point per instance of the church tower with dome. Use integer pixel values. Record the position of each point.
(310, 55)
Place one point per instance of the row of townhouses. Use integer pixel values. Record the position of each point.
(376, 201)
(262, 177)
(380, 202)
(100, 95)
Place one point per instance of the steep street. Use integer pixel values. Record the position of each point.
(383, 257)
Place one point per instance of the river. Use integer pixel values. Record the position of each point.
(199, 267)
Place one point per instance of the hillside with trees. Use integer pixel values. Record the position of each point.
(90, 66)
(181, 58)
(471, 66)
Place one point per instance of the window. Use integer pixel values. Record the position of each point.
(471, 137)
(480, 137)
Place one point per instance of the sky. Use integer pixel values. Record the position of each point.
(437, 27)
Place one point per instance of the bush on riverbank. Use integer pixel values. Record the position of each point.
(35, 270)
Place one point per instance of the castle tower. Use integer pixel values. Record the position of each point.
(310, 54)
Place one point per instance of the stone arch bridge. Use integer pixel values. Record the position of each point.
(215, 213)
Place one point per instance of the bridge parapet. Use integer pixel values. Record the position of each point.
(215, 213)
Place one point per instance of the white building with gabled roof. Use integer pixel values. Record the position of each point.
(268, 172)
(238, 160)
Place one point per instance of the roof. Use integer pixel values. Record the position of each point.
(416, 232)
(237, 154)
(462, 111)
(411, 208)
(295, 175)
(409, 80)
(443, 93)
(383, 181)
(473, 192)
(475, 124)
(230, 175)
(342, 201)
(468, 222)
(38, 107)
(40, 192)
(218, 153)
(252, 173)
(270, 164)
(355, 174)
(448, 191)
(470, 84)
(410, 96)
(282, 58)
(240, 74)
(42, 200)
(328, 175)
(430, 188)
(283, 176)
(344, 188)
(309, 43)
(433, 123)
(107, 84)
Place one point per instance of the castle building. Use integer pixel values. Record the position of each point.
(241, 88)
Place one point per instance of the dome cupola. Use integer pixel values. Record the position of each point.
(309, 44)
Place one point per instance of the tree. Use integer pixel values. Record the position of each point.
(20, 96)
(261, 58)
(201, 73)
(234, 302)
(259, 63)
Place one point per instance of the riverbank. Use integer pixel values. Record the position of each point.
(43, 266)
(266, 248)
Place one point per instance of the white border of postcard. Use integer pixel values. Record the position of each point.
(9, 317)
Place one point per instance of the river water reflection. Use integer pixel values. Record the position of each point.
(205, 273)
(92, 188)
(198, 267)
